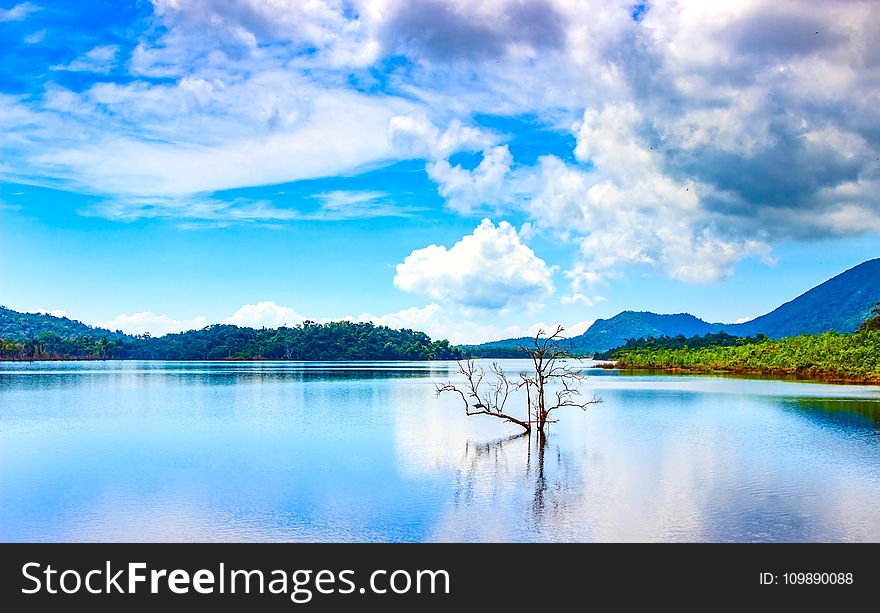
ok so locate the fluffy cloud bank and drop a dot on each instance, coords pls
(149, 322)
(488, 269)
(450, 322)
(264, 314)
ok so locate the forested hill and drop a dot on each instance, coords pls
(15, 325)
(840, 304)
(34, 336)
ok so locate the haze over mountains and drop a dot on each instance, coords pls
(840, 304)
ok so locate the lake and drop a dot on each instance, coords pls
(270, 451)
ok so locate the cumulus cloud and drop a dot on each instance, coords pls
(442, 30)
(53, 312)
(238, 28)
(450, 321)
(417, 136)
(458, 326)
(488, 269)
(148, 322)
(464, 189)
(416, 318)
(266, 314)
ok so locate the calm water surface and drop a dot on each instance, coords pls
(182, 451)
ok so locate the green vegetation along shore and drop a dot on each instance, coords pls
(831, 356)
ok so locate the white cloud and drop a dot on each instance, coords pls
(578, 298)
(417, 136)
(236, 28)
(99, 59)
(271, 128)
(461, 326)
(488, 269)
(149, 322)
(19, 12)
(702, 138)
(579, 328)
(465, 190)
(200, 212)
(266, 314)
(457, 324)
(415, 318)
(53, 312)
(35, 37)
(583, 280)
(357, 204)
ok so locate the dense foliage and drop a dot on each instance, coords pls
(341, 340)
(494, 352)
(873, 322)
(16, 325)
(719, 339)
(832, 354)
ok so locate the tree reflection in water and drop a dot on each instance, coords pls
(534, 478)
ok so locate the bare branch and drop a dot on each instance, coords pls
(552, 374)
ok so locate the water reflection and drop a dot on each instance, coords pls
(846, 413)
(521, 458)
(364, 452)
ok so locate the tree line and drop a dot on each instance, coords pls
(712, 339)
(834, 355)
(340, 340)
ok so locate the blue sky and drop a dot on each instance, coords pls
(474, 170)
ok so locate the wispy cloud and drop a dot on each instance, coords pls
(99, 59)
(199, 213)
(19, 12)
(36, 37)
(340, 204)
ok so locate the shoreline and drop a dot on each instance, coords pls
(818, 376)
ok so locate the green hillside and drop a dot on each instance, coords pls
(19, 326)
(839, 304)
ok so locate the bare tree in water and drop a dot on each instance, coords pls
(551, 384)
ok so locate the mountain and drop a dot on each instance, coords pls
(606, 334)
(841, 303)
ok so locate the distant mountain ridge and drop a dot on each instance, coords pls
(840, 304)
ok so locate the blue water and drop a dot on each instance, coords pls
(182, 451)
